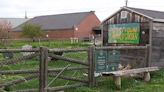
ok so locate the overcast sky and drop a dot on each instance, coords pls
(103, 8)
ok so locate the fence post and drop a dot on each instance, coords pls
(43, 69)
(91, 78)
(147, 55)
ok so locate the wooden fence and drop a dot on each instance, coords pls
(44, 72)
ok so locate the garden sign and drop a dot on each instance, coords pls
(124, 33)
(106, 60)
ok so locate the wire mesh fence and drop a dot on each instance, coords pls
(16, 66)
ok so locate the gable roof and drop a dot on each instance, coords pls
(14, 21)
(154, 15)
(60, 21)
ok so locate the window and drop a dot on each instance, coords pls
(124, 14)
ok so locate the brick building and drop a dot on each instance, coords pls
(64, 26)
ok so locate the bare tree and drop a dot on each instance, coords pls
(5, 28)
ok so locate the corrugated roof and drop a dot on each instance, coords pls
(151, 13)
(14, 21)
(60, 21)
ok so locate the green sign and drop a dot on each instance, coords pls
(113, 60)
(106, 61)
(100, 58)
(124, 33)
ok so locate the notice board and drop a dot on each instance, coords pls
(128, 33)
(106, 60)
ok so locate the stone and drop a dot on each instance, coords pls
(27, 47)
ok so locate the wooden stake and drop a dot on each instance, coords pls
(146, 76)
(43, 69)
(117, 81)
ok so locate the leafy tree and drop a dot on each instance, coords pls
(32, 31)
(5, 28)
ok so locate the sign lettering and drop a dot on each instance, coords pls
(124, 33)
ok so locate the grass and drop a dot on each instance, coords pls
(128, 85)
(105, 84)
(50, 44)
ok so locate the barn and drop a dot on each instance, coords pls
(64, 26)
(147, 27)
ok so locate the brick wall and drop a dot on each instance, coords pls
(52, 34)
(16, 35)
(85, 27)
(60, 34)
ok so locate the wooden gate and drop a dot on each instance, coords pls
(46, 74)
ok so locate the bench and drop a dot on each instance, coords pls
(117, 74)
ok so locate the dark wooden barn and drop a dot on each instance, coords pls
(150, 26)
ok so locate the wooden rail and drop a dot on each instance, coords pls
(18, 59)
(15, 72)
(69, 78)
(18, 50)
(68, 50)
(120, 47)
(18, 81)
(68, 59)
(117, 74)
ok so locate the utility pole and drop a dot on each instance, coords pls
(126, 3)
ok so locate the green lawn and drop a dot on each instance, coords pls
(48, 43)
(105, 84)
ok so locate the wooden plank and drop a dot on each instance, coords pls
(132, 71)
(147, 56)
(91, 68)
(18, 59)
(43, 69)
(18, 50)
(150, 43)
(69, 78)
(18, 81)
(15, 72)
(68, 69)
(27, 90)
(120, 47)
(69, 59)
(132, 57)
(68, 50)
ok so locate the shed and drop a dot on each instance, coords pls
(150, 26)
